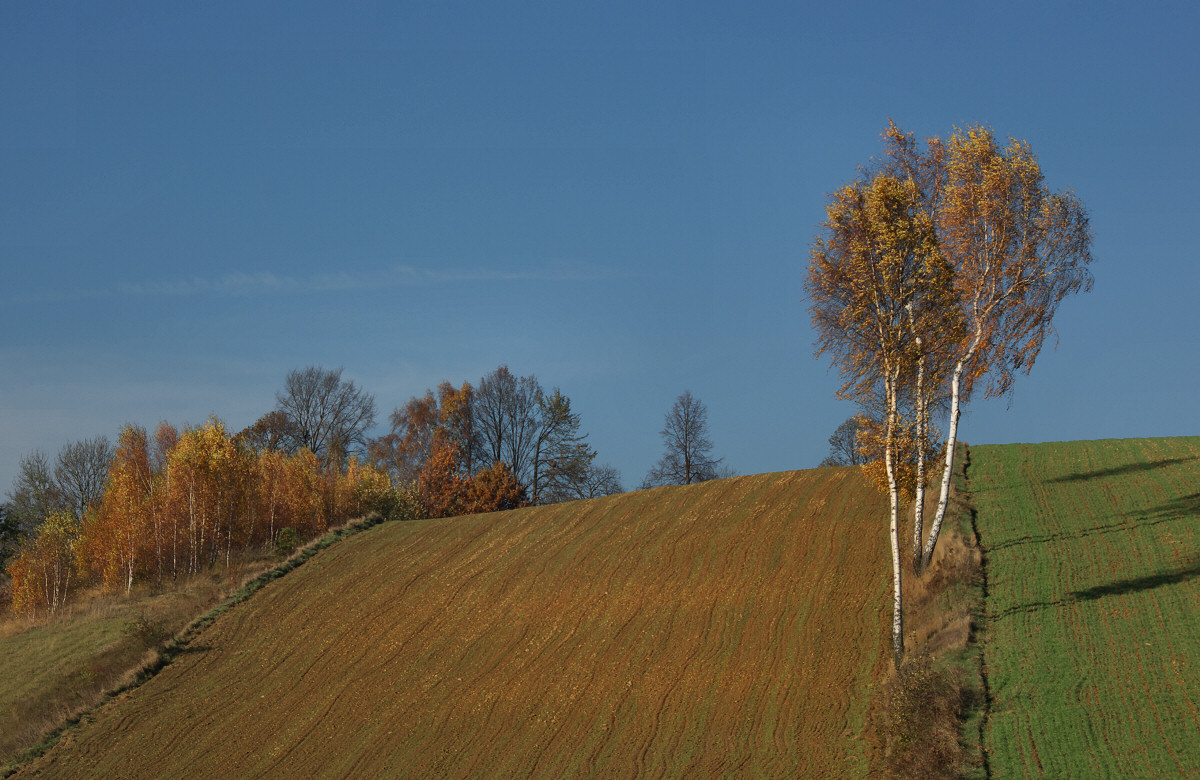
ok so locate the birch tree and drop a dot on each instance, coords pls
(42, 573)
(122, 528)
(1016, 250)
(934, 320)
(875, 263)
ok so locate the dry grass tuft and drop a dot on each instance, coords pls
(924, 700)
(919, 721)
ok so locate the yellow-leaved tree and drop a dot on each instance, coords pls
(43, 572)
(1016, 250)
(873, 267)
(940, 269)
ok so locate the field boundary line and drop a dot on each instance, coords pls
(982, 618)
(180, 644)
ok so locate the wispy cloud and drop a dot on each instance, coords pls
(267, 283)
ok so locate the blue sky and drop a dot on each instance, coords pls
(196, 198)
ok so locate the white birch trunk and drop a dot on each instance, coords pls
(948, 470)
(919, 503)
(894, 500)
(130, 567)
(951, 442)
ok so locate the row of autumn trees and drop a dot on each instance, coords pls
(507, 434)
(170, 503)
(178, 502)
(937, 272)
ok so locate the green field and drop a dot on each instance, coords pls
(52, 669)
(1091, 640)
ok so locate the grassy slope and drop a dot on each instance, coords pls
(731, 628)
(60, 667)
(1092, 642)
(50, 668)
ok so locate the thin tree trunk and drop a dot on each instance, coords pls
(919, 502)
(537, 471)
(894, 501)
(131, 565)
(951, 442)
(271, 517)
(193, 561)
(156, 519)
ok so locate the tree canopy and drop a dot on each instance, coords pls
(938, 269)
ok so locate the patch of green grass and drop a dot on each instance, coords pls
(1091, 641)
(49, 656)
(57, 669)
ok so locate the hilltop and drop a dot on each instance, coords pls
(731, 627)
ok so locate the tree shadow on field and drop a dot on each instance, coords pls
(1185, 506)
(171, 653)
(1117, 588)
(1131, 468)
(1182, 508)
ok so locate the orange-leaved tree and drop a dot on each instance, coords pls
(119, 536)
(874, 264)
(494, 489)
(439, 484)
(1016, 250)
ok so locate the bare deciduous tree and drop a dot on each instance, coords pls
(80, 472)
(34, 495)
(10, 534)
(273, 432)
(602, 480)
(328, 415)
(688, 456)
(507, 421)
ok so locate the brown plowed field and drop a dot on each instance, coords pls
(725, 629)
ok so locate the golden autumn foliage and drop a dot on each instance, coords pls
(43, 572)
(117, 528)
(871, 440)
(939, 268)
(1017, 250)
(177, 504)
